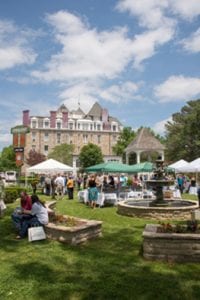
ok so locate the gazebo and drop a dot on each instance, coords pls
(145, 141)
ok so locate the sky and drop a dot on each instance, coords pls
(140, 59)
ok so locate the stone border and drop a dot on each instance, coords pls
(157, 213)
(176, 247)
(84, 231)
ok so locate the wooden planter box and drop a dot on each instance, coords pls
(177, 247)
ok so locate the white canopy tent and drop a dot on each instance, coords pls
(49, 166)
(178, 164)
(192, 167)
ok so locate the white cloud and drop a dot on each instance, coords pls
(159, 127)
(177, 88)
(155, 13)
(149, 12)
(90, 54)
(120, 93)
(145, 44)
(186, 9)
(14, 48)
(192, 43)
(86, 53)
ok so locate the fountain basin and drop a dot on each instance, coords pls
(176, 247)
(141, 208)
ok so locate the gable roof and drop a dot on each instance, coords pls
(95, 111)
(145, 141)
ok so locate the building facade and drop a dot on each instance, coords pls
(72, 127)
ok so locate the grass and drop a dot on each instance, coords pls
(111, 267)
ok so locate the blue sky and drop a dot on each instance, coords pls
(140, 59)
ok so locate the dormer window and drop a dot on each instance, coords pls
(46, 123)
(59, 124)
(34, 123)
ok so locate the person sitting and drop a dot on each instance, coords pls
(17, 216)
(39, 216)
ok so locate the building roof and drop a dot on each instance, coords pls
(145, 141)
(95, 111)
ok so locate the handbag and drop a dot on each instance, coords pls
(36, 233)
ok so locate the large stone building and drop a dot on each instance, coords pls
(72, 127)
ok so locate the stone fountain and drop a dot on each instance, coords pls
(158, 208)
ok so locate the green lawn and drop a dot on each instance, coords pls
(110, 267)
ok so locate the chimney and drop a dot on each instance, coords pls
(52, 119)
(64, 119)
(26, 119)
(104, 115)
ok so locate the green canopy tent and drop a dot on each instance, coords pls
(141, 167)
(112, 167)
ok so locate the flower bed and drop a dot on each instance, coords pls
(170, 246)
(71, 230)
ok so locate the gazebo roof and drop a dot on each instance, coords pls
(145, 141)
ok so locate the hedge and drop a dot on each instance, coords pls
(12, 193)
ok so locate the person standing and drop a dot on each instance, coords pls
(70, 188)
(93, 191)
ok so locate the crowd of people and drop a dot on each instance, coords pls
(32, 211)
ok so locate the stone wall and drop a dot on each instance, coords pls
(171, 247)
(156, 213)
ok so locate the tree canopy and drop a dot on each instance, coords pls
(90, 155)
(183, 133)
(7, 160)
(126, 136)
(62, 153)
(35, 158)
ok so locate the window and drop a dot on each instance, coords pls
(33, 136)
(46, 148)
(85, 138)
(91, 127)
(46, 124)
(71, 126)
(98, 139)
(58, 124)
(46, 136)
(85, 126)
(98, 127)
(58, 138)
(34, 123)
(79, 126)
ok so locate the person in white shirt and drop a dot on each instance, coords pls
(39, 217)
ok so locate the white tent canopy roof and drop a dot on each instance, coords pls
(192, 167)
(179, 164)
(50, 166)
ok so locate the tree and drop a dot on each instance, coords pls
(63, 153)
(90, 155)
(183, 133)
(35, 158)
(7, 161)
(126, 136)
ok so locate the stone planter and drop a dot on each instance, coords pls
(177, 247)
(82, 231)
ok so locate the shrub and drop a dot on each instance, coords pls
(12, 193)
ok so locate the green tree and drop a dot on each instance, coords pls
(35, 158)
(125, 138)
(7, 160)
(183, 133)
(62, 153)
(90, 155)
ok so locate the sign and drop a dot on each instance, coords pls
(19, 149)
(20, 129)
